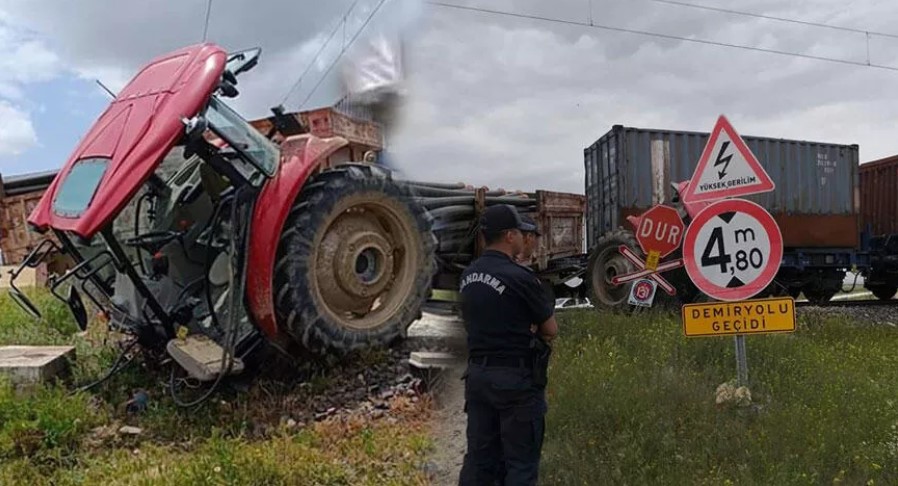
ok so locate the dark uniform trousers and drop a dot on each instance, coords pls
(506, 420)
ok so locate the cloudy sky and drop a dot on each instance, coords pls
(495, 100)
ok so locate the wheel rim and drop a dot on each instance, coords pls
(365, 261)
(609, 264)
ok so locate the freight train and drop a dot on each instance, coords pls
(835, 215)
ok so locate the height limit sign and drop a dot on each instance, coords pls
(732, 249)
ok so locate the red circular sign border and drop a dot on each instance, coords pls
(642, 281)
(639, 226)
(776, 249)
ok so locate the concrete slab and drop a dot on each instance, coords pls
(429, 360)
(35, 364)
(28, 277)
(201, 357)
(433, 326)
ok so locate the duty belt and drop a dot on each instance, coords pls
(502, 361)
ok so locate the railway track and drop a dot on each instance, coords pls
(850, 303)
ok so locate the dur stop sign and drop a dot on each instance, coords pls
(659, 232)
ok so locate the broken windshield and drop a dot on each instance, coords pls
(247, 140)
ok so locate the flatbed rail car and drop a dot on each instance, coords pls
(816, 203)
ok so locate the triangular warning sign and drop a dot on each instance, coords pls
(727, 168)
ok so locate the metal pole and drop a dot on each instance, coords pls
(741, 362)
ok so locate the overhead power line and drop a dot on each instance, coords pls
(320, 50)
(612, 28)
(779, 19)
(206, 25)
(354, 37)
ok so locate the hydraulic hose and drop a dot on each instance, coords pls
(230, 337)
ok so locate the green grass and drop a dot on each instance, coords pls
(632, 401)
(51, 436)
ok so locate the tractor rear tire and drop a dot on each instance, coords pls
(606, 262)
(355, 263)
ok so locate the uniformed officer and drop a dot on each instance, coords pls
(509, 320)
(530, 241)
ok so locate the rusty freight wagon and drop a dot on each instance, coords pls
(879, 219)
(456, 208)
(816, 204)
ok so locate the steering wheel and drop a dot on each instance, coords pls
(152, 241)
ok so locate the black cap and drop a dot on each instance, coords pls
(503, 217)
(528, 220)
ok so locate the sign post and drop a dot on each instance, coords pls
(741, 361)
(733, 248)
(732, 251)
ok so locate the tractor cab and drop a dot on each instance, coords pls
(154, 204)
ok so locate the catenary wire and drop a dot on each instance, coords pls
(663, 36)
(354, 37)
(320, 50)
(206, 24)
(771, 17)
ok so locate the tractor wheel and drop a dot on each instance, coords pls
(884, 292)
(355, 263)
(606, 262)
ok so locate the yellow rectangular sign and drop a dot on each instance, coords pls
(652, 259)
(759, 316)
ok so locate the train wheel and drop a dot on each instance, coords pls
(819, 295)
(884, 292)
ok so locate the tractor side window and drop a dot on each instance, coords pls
(79, 186)
(240, 133)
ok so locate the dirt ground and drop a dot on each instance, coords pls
(449, 428)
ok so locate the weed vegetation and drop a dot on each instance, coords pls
(49, 435)
(632, 401)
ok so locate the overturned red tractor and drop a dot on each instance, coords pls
(204, 239)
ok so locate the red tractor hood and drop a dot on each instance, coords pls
(129, 140)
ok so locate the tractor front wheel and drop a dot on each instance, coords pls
(355, 261)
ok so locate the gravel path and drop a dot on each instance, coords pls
(449, 429)
(449, 420)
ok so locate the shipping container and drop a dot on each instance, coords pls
(879, 196)
(816, 201)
